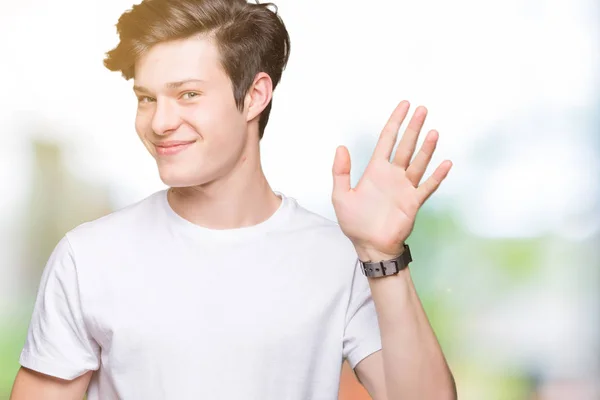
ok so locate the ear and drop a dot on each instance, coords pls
(259, 95)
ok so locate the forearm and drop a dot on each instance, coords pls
(414, 365)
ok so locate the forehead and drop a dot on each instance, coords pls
(192, 58)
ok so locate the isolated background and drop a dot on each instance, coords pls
(506, 252)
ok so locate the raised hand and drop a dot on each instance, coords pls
(379, 213)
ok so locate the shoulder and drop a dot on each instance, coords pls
(308, 219)
(320, 229)
(116, 227)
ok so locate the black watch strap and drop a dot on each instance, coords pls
(389, 267)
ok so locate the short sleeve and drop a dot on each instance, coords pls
(361, 335)
(57, 342)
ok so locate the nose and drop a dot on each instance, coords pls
(166, 117)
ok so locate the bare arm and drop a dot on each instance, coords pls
(370, 373)
(30, 384)
(411, 364)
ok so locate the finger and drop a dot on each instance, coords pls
(418, 166)
(341, 171)
(408, 142)
(387, 138)
(430, 185)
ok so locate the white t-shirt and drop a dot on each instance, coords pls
(161, 308)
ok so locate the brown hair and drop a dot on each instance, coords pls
(251, 38)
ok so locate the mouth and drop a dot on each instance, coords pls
(171, 148)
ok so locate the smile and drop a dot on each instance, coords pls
(171, 148)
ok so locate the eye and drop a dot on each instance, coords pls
(190, 95)
(145, 99)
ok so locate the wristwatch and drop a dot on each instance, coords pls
(386, 268)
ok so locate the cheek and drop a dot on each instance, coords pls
(140, 125)
(217, 123)
(143, 126)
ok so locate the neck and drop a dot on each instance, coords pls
(239, 199)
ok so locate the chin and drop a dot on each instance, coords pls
(178, 178)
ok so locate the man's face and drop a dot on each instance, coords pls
(187, 117)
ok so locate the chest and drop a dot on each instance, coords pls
(209, 306)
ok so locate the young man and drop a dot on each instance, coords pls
(221, 288)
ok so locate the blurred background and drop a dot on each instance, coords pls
(506, 252)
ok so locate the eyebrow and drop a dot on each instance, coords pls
(169, 85)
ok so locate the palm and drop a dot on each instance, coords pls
(379, 213)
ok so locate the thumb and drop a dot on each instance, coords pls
(341, 171)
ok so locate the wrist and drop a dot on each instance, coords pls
(372, 255)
